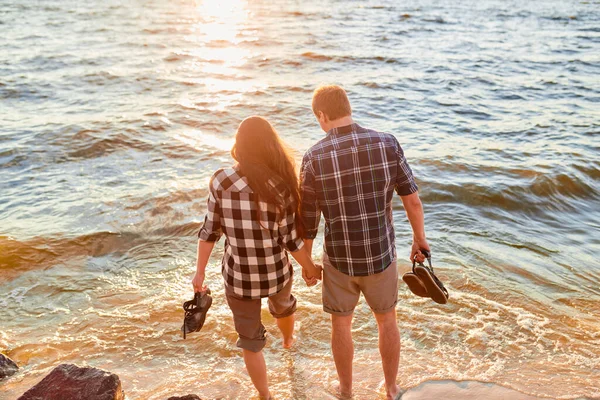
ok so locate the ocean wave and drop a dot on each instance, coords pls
(93, 144)
(562, 18)
(292, 63)
(515, 14)
(591, 171)
(219, 43)
(351, 59)
(184, 56)
(452, 166)
(590, 29)
(250, 42)
(169, 30)
(90, 144)
(549, 186)
(539, 193)
(377, 85)
(27, 92)
(100, 78)
(437, 20)
(475, 114)
(157, 205)
(175, 57)
(300, 89)
(306, 14)
(17, 257)
(46, 62)
(316, 56)
(512, 96)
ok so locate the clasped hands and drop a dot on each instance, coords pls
(312, 274)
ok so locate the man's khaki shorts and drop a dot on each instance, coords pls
(246, 315)
(341, 292)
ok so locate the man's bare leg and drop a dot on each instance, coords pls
(343, 351)
(286, 326)
(389, 348)
(257, 369)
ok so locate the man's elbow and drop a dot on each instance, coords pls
(411, 201)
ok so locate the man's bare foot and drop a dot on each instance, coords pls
(393, 394)
(288, 343)
(341, 395)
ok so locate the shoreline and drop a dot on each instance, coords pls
(69, 380)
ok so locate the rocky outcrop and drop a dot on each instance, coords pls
(7, 366)
(186, 397)
(68, 381)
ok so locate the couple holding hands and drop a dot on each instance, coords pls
(266, 212)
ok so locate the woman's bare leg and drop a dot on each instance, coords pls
(286, 326)
(257, 369)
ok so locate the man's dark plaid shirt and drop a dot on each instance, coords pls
(255, 262)
(350, 177)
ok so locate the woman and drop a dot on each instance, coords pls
(255, 204)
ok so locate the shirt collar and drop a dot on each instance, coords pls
(342, 130)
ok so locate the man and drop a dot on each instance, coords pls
(350, 177)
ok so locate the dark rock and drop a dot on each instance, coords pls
(7, 366)
(186, 397)
(68, 381)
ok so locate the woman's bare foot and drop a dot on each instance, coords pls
(286, 326)
(289, 342)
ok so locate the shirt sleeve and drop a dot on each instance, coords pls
(405, 181)
(311, 213)
(287, 227)
(211, 229)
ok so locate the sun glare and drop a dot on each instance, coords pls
(200, 140)
(218, 35)
(221, 20)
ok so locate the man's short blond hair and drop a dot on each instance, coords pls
(332, 100)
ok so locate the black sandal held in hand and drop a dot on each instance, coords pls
(195, 312)
(423, 282)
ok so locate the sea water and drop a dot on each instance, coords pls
(114, 115)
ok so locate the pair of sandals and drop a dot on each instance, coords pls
(195, 312)
(423, 282)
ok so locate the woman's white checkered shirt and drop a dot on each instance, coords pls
(255, 261)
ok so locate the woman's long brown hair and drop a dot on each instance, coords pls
(262, 155)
